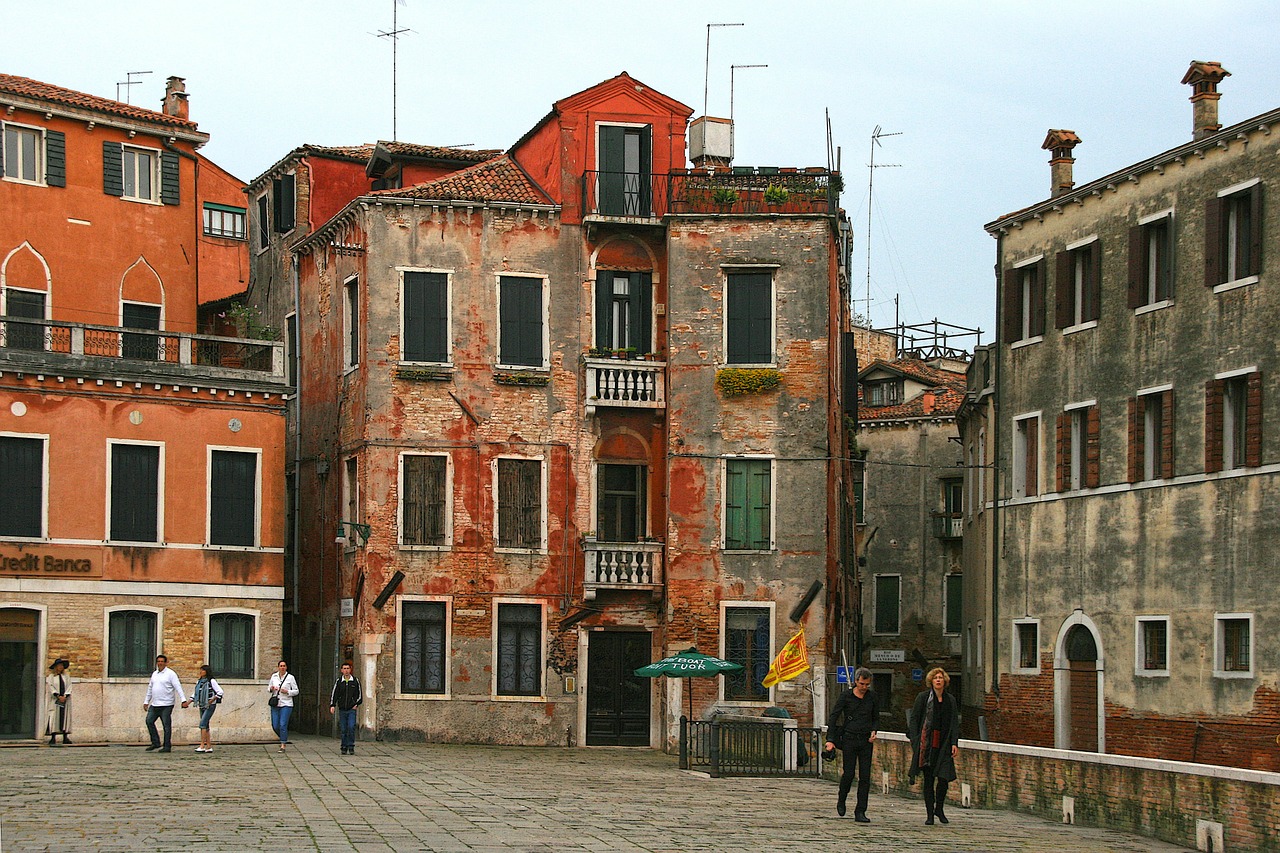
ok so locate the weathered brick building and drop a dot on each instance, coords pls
(141, 461)
(1135, 608)
(570, 409)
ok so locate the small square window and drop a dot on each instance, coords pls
(1233, 657)
(1152, 656)
(140, 173)
(1026, 650)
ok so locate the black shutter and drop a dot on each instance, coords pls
(1255, 231)
(22, 498)
(604, 309)
(644, 302)
(1064, 290)
(1012, 306)
(1037, 298)
(55, 158)
(612, 178)
(520, 319)
(1138, 265)
(414, 344)
(646, 182)
(749, 313)
(1213, 273)
(113, 168)
(135, 474)
(170, 178)
(231, 498)
(283, 196)
(1093, 294)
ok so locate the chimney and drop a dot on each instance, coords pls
(175, 98)
(1204, 78)
(930, 398)
(1060, 143)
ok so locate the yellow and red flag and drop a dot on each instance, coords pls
(790, 662)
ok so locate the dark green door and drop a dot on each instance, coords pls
(617, 698)
(22, 679)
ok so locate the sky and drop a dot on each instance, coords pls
(969, 88)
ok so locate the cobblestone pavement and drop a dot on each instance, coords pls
(456, 798)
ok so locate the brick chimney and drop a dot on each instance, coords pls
(175, 98)
(1059, 143)
(1204, 78)
(929, 400)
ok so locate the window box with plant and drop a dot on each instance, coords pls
(746, 381)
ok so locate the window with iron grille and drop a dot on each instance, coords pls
(422, 647)
(888, 591)
(748, 641)
(131, 643)
(233, 497)
(519, 650)
(423, 493)
(135, 492)
(749, 318)
(520, 503)
(231, 645)
(22, 498)
(1027, 638)
(1235, 643)
(1153, 646)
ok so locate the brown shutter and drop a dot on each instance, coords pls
(1092, 447)
(1012, 306)
(1062, 291)
(1213, 242)
(1037, 298)
(1255, 230)
(1166, 435)
(1032, 468)
(1093, 295)
(1253, 420)
(1137, 267)
(1213, 425)
(1136, 440)
(1063, 447)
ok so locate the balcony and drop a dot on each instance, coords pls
(948, 525)
(640, 198)
(622, 566)
(49, 346)
(625, 383)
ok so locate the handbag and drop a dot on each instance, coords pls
(274, 701)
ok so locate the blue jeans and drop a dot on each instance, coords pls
(280, 721)
(207, 713)
(347, 725)
(163, 713)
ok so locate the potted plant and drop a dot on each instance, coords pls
(629, 353)
(775, 195)
(725, 196)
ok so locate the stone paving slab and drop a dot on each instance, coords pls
(441, 797)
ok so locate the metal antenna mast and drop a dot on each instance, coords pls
(129, 81)
(394, 34)
(733, 133)
(876, 136)
(706, 71)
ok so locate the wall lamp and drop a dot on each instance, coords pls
(360, 532)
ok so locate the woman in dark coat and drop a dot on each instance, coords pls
(934, 729)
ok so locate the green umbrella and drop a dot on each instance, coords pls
(688, 664)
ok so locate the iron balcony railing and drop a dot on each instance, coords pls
(621, 565)
(627, 383)
(948, 525)
(630, 196)
(44, 344)
(742, 746)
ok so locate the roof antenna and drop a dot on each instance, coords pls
(129, 81)
(706, 72)
(394, 34)
(876, 136)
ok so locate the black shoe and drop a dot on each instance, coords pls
(861, 818)
(840, 808)
(928, 821)
(942, 818)
(351, 750)
(166, 749)
(53, 739)
(153, 747)
(65, 740)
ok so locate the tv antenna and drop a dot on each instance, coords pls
(394, 34)
(706, 71)
(876, 136)
(129, 81)
(732, 69)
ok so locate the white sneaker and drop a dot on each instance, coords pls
(200, 749)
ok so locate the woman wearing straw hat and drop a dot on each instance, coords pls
(58, 689)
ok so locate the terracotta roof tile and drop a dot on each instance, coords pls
(499, 180)
(441, 152)
(949, 391)
(28, 88)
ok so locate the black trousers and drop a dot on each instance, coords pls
(935, 793)
(857, 757)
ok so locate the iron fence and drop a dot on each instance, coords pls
(750, 748)
(738, 190)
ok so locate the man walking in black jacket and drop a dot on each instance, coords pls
(854, 721)
(346, 697)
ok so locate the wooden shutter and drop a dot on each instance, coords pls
(1138, 265)
(425, 317)
(232, 498)
(170, 178)
(1012, 307)
(759, 505)
(283, 199)
(1064, 290)
(612, 180)
(520, 318)
(1093, 293)
(1213, 393)
(604, 308)
(1213, 242)
(1253, 420)
(1137, 439)
(423, 500)
(55, 158)
(1037, 298)
(1031, 465)
(135, 474)
(642, 301)
(1166, 434)
(22, 498)
(646, 168)
(749, 314)
(1062, 453)
(1255, 230)
(1092, 447)
(735, 504)
(113, 168)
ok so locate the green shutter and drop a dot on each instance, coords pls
(759, 501)
(436, 317)
(520, 319)
(612, 179)
(113, 168)
(604, 308)
(170, 178)
(414, 343)
(22, 498)
(735, 504)
(749, 315)
(55, 158)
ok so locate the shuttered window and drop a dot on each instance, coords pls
(624, 183)
(426, 317)
(1151, 262)
(519, 650)
(135, 492)
(520, 503)
(1026, 457)
(283, 202)
(351, 321)
(29, 305)
(747, 633)
(520, 321)
(264, 223)
(1023, 301)
(954, 593)
(888, 603)
(134, 344)
(138, 171)
(22, 497)
(749, 318)
(620, 505)
(1233, 236)
(422, 647)
(1233, 422)
(1151, 436)
(233, 498)
(131, 643)
(231, 645)
(1078, 288)
(422, 499)
(748, 505)
(624, 310)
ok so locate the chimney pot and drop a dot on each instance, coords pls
(1060, 144)
(175, 98)
(1204, 77)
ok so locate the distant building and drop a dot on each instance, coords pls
(142, 462)
(1132, 514)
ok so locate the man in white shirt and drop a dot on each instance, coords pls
(163, 692)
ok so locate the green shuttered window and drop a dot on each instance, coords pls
(426, 317)
(520, 320)
(749, 317)
(748, 505)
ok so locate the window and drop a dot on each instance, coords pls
(624, 310)
(424, 499)
(859, 499)
(264, 223)
(139, 173)
(135, 492)
(1078, 292)
(882, 686)
(954, 604)
(1026, 456)
(952, 517)
(1078, 447)
(1026, 647)
(620, 503)
(748, 505)
(748, 641)
(1023, 299)
(423, 646)
(131, 643)
(29, 305)
(981, 473)
(137, 344)
(424, 331)
(1151, 261)
(888, 604)
(282, 202)
(521, 335)
(749, 318)
(22, 498)
(885, 393)
(1233, 236)
(1233, 640)
(519, 650)
(231, 644)
(1151, 435)
(351, 321)
(519, 507)
(351, 493)
(1152, 656)
(220, 220)
(291, 348)
(34, 155)
(624, 165)
(233, 504)
(1233, 421)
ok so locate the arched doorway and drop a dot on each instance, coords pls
(1082, 689)
(19, 661)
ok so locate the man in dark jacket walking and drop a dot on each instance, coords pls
(346, 697)
(854, 721)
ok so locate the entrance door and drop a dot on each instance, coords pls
(617, 698)
(18, 663)
(1082, 690)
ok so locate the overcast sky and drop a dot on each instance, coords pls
(972, 87)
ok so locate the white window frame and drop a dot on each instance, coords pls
(1152, 450)
(773, 502)
(542, 674)
(1019, 472)
(257, 638)
(41, 164)
(1219, 650)
(771, 607)
(129, 155)
(257, 498)
(546, 320)
(209, 208)
(160, 492)
(731, 269)
(1151, 271)
(106, 642)
(1140, 647)
(1233, 240)
(1024, 321)
(1015, 662)
(448, 319)
(543, 468)
(1078, 273)
(350, 499)
(350, 323)
(44, 486)
(1078, 458)
(875, 603)
(447, 601)
(448, 503)
(1235, 413)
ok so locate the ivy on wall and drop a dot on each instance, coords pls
(744, 381)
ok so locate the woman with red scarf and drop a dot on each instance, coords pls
(934, 729)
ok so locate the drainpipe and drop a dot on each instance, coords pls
(297, 424)
(997, 517)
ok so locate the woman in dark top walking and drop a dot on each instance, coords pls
(934, 729)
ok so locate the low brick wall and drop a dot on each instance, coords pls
(1201, 806)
